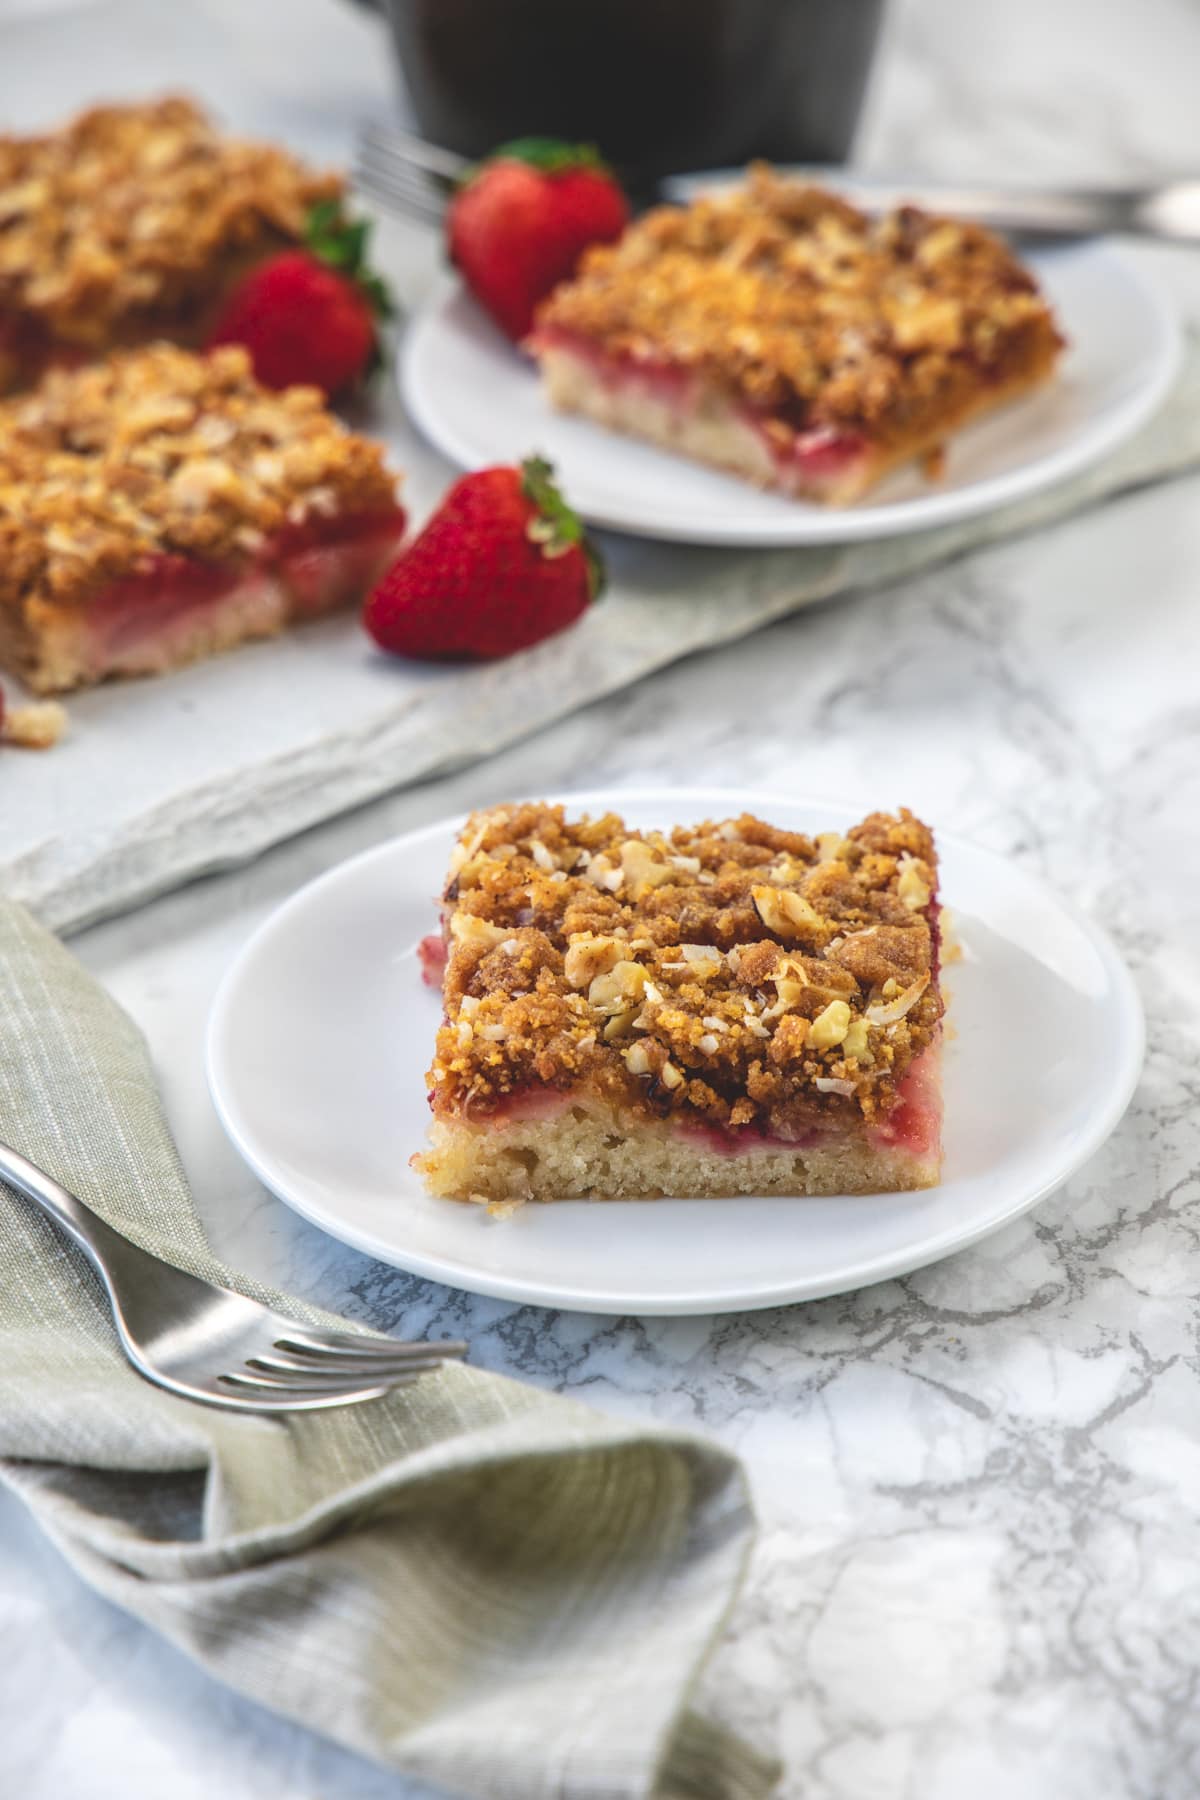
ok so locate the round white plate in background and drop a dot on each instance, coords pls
(322, 1031)
(478, 400)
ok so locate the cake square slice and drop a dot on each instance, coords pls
(776, 331)
(130, 224)
(160, 505)
(729, 1009)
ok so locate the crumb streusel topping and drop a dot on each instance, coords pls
(811, 311)
(130, 210)
(747, 976)
(161, 451)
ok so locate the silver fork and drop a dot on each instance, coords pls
(407, 175)
(207, 1343)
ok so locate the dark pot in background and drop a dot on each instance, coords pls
(659, 85)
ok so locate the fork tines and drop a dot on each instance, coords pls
(405, 174)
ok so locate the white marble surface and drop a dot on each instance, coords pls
(979, 1487)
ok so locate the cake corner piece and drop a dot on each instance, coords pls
(728, 1009)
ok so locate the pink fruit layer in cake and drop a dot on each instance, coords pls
(726, 1009)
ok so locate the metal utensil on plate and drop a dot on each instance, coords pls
(406, 175)
(206, 1343)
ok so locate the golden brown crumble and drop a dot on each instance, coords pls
(134, 212)
(748, 976)
(812, 312)
(162, 451)
(36, 726)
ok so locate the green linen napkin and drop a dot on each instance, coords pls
(487, 1587)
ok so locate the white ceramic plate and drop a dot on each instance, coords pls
(477, 399)
(322, 1030)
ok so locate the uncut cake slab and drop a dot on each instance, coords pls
(321, 1037)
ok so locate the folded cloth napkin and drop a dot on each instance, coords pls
(487, 1587)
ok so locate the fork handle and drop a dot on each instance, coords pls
(88, 1229)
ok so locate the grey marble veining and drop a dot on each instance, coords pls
(979, 1486)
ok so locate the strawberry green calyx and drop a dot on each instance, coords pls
(551, 156)
(341, 242)
(555, 528)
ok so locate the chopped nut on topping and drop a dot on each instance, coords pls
(643, 867)
(620, 1024)
(857, 1039)
(788, 914)
(702, 960)
(637, 1059)
(670, 1076)
(829, 1028)
(589, 956)
(603, 873)
(475, 933)
(613, 991)
(913, 884)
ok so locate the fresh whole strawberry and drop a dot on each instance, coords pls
(502, 564)
(521, 221)
(311, 316)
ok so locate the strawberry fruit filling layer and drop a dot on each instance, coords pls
(178, 607)
(653, 397)
(432, 952)
(913, 1127)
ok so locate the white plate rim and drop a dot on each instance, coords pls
(1131, 1034)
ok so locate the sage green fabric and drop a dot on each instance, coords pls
(487, 1587)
